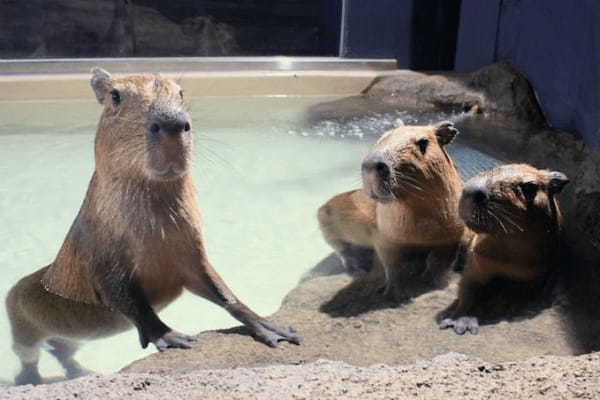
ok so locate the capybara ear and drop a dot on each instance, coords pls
(445, 132)
(556, 181)
(101, 83)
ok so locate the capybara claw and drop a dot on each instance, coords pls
(461, 325)
(175, 340)
(271, 334)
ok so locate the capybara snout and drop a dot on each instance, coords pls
(168, 119)
(377, 170)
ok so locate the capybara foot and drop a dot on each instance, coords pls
(271, 333)
(29, 375)
(173, 339)
(78, 372)
(461, 325)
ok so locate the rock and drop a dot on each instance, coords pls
(118, 28)
(499, 91)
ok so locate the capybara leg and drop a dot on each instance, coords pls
(27, 338)
(130, 299)
(459, 315)
(356, 259)
(438, 264)
(29, 356)
(347, 223)
(64, 350)
(383, 276)
(208, 284)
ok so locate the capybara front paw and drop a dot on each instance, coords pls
(461, 325)
(271, 333)
(173, 339)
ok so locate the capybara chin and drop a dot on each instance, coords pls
(405, 217)
(136, 242)
(516, 220)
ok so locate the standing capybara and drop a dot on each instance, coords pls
(136, 242)
(406, 212)
(516, 220)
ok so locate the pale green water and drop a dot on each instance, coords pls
(261, 175)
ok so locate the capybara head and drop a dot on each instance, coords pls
(512, 199)
(145, 129)
(409, 161)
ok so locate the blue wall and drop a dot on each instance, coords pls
(376, 29)
(555, 43)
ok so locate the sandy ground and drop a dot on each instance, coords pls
(447, 376)
(337, 322)
(355, 350)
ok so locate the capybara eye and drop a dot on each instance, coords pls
(181, 94)
(423, 143)
(116, 97)
(529, 190)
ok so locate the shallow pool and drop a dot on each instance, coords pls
(261, 174)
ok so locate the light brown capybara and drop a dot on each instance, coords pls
(136, 242)
(405, 218)
(515, 220)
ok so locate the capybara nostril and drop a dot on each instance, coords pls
(154, 128)
(170, 127)
(174, 127)
(477, 194)
(382, 170)
(377, 164)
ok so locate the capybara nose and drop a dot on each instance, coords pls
(378, 165)
(477, 194)
(170, 127)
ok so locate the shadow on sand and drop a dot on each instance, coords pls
(503, 299)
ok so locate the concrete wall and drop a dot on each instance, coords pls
(556, 43)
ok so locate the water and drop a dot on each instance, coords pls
(261, 175)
